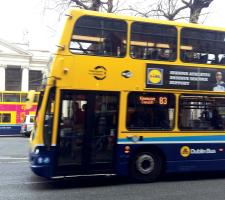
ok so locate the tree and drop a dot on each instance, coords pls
(173, 9)
(97, 5)
(196, 7)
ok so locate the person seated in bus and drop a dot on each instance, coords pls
(137, 52)
(113, 45)
(216, 120)
(205, 116)
(188, 56)
(216, 59)
(140, 118)
(164, 54)
(222, 61)
(204, 58)
(77, 120)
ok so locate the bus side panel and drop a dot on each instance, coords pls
(182, 157)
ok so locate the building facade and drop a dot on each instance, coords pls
(22, 69)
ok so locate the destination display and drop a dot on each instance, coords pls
(188, 78)
(151, 100)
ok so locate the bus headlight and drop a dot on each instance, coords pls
(46, 160)
(40, 160)
(36, 151)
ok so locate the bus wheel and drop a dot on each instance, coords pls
(146, 167)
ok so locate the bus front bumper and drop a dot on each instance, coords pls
(41, 162)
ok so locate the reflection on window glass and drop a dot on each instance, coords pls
(153, 41)
(99, 36)
(5, 117)
(150, 111)
(209, 49)
(202, 112)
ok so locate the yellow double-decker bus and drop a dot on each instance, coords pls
(132, 96)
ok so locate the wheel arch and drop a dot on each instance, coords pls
(150, 148)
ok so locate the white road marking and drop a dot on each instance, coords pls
(12, 158)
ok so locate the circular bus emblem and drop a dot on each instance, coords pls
(155, 76)
(98, 73)
(185, 151)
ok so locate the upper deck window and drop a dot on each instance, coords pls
(153, 41)
(99, 36)
(202, 46)
(11, 97)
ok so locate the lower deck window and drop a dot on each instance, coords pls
(202, 112)
(5, 117)
(150, 111)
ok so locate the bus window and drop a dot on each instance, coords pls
(209, 49)
(23, 97)
(48, 120)
(202, 112)
(5, 117)
(11, 97)
(99, 36)
(72, 126)
(147, 111)
(153, 41)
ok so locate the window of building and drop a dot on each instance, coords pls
(202, 46)
(153, 41)
(35, 78)
(202, 112)
(150, 111)
(13, 78)
(99, 36)
(5, 117)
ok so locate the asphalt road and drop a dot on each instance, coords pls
(18, 182)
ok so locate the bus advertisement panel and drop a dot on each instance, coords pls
(187, 78)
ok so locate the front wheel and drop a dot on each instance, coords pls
(146, 167)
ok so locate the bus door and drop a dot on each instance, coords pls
(87, 132)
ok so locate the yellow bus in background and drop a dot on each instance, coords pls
(132, 97)
(13, 111)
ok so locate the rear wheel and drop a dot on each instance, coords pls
(146, 167)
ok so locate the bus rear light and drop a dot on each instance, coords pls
(127, 149)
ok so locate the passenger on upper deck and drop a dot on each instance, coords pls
(113, 45)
